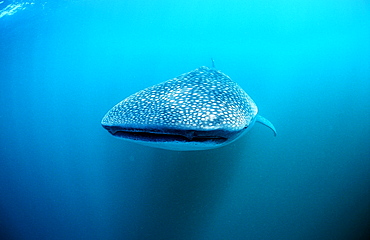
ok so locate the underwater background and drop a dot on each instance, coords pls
(64, 64)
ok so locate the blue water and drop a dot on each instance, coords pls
(64, 64)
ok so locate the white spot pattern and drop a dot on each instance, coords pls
(202, 99)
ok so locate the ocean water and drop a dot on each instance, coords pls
(64, 64)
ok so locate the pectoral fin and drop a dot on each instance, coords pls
(266, 122)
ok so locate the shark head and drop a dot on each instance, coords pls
(198, 110)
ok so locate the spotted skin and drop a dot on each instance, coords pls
(198, 110)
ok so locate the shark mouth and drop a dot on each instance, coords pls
(172, 134)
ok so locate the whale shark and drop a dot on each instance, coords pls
(198, 110)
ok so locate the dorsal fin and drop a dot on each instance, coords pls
(213, 63)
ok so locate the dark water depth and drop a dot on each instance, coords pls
(64, 64)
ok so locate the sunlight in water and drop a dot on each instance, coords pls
(13, 8)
